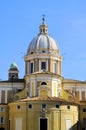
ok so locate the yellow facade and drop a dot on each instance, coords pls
(56, 116)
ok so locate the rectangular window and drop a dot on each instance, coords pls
(18, 106)
(57, 105)
(84, 109)
(31, 67)
(43, 105)
(68, 107)
(30, 106)
(84, 121)
(43, 124)
(1, 120)
(43, 65)
(83, 95)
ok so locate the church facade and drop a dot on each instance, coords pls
(43, 99)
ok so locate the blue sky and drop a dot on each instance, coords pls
(19, 24)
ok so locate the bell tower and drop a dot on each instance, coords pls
(13, 71)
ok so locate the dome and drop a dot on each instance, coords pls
(13, 66)
(42, 41)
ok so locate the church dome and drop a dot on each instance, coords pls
(42, 41)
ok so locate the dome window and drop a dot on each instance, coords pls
(43, 65)
(43, 30)
(31, 67)
(43, 83)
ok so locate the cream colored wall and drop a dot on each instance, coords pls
(77, 88)
(6, 90)
(52, 88)
(49, 58)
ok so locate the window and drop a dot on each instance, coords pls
(43, 124)
(2, 109)
(68, 107)
(2, 128)
(1, 120)
(84, 121)
(57, 105)
(18, 106)
(31, 67)
(83, 128)
(43, 51)
(43, 65)
(43, 105)
(43, 83)
(30, 106)
(32, 52)
(84, 109)
(13, 76)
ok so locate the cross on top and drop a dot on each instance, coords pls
(43, 19)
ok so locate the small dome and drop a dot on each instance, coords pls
(13, 66)
(42, 41)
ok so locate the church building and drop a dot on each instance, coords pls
(43, 99)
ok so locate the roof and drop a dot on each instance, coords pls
(42, 41)
(14, 80)
(45, 72)
(50, 99)
(13, 67)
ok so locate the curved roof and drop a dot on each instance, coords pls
(13, 66)
(43, 40)
(47, 98)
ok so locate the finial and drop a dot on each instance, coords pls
(43, 19)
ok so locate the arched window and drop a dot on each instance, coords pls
(43, 83)
(13, 76)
